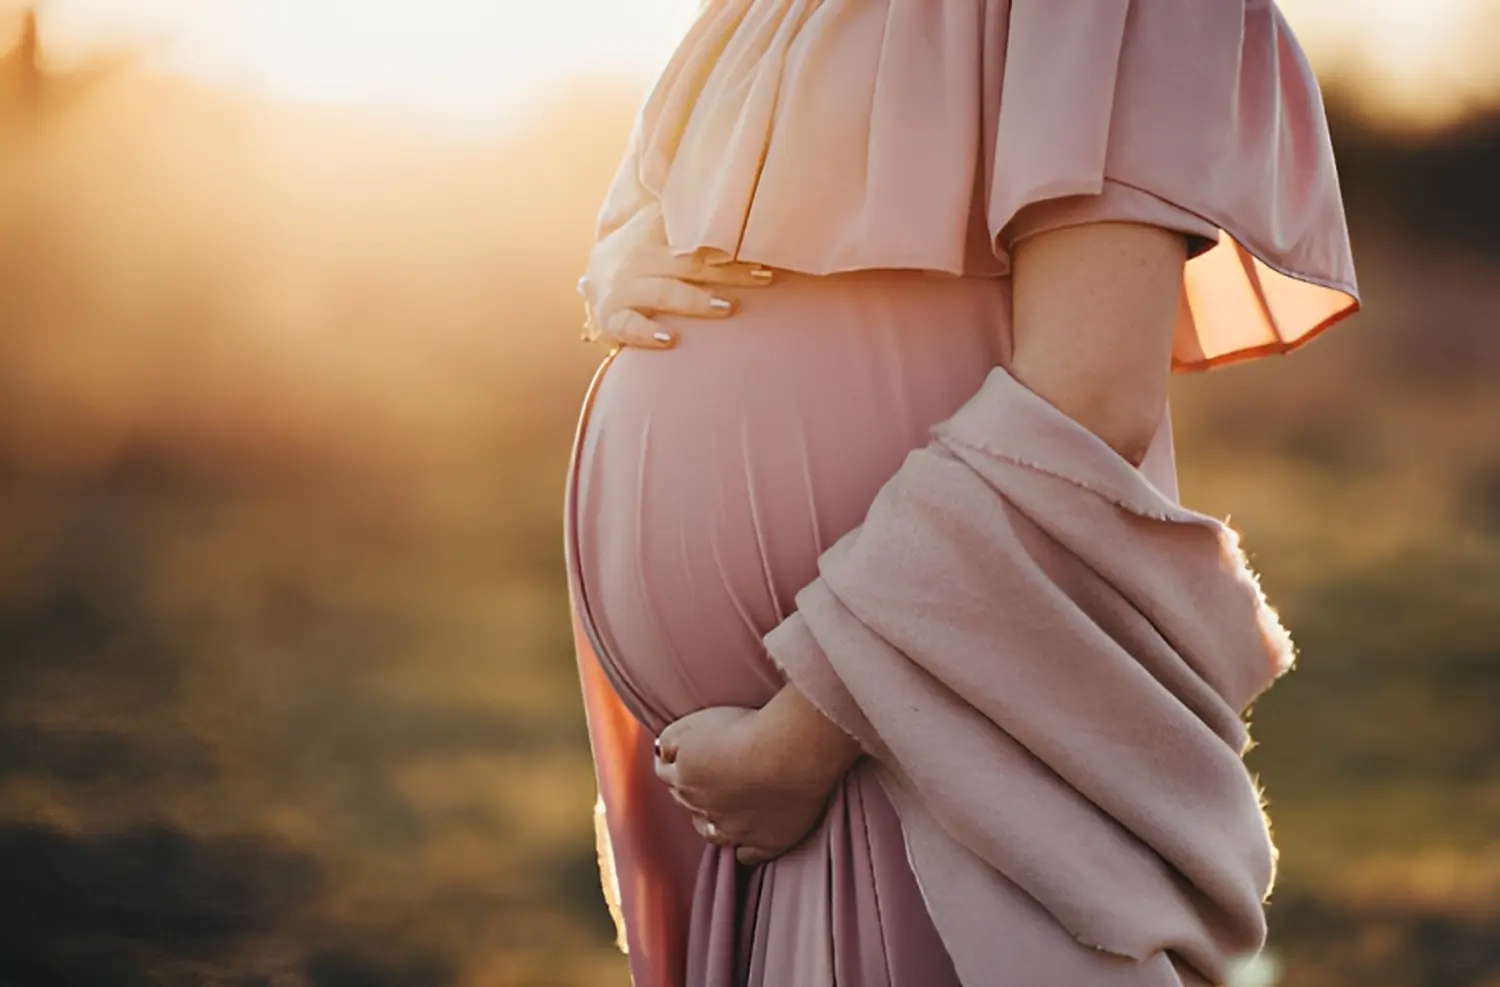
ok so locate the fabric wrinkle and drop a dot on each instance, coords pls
(757, 525)
(800, 434)
(649, 609)
(881, 925)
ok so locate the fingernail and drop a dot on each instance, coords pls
(720, 304)
(762, 274)
(662, 337)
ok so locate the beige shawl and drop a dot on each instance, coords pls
(1050, 660)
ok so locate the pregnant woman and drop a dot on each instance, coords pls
(860, 253)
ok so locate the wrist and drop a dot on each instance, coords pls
(802, 745)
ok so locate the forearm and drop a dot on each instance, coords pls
(812, 744)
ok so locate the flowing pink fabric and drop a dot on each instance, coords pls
(837, 135)
(1044, 655)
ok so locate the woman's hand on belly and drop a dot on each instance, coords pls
(633, 275)
(762, 778)
(735, 781)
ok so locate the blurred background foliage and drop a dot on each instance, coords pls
(287, 693)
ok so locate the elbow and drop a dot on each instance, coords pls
(1127, 422)
(1123, 406)
(1134, 450)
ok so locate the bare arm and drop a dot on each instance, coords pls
(1094, 310)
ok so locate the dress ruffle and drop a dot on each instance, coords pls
(824, 136)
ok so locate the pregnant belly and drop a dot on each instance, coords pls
(711, 476)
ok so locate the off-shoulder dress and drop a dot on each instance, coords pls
(885, 157)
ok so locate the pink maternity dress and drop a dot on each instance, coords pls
(884, 156)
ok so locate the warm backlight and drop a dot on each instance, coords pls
(467, 60)
(480, 61)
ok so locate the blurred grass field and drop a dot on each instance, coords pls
(288, 689)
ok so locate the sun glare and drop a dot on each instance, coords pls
(477, 61)
(483, 61)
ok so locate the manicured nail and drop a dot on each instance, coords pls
(762, 274)
(720, 304)
(662, 337)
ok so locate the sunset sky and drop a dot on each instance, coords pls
(478, 62)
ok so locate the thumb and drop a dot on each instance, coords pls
(666, 772)
(667, 743)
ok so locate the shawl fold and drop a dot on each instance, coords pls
(834, 135)
(1050, 660)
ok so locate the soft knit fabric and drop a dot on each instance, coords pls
(1049, 659)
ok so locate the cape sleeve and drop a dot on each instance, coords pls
(833, 135)
(1115, 203)
(1209, 106)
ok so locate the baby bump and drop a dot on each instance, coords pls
(711, 476)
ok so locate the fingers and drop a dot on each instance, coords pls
(664, 263)
(630, 328)
(736, 274)
(668, 741)
(667, 771)
(619, 308)
(672, 295)
(710, 832)
(628, 322)
(682, 799)
(753, 855)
